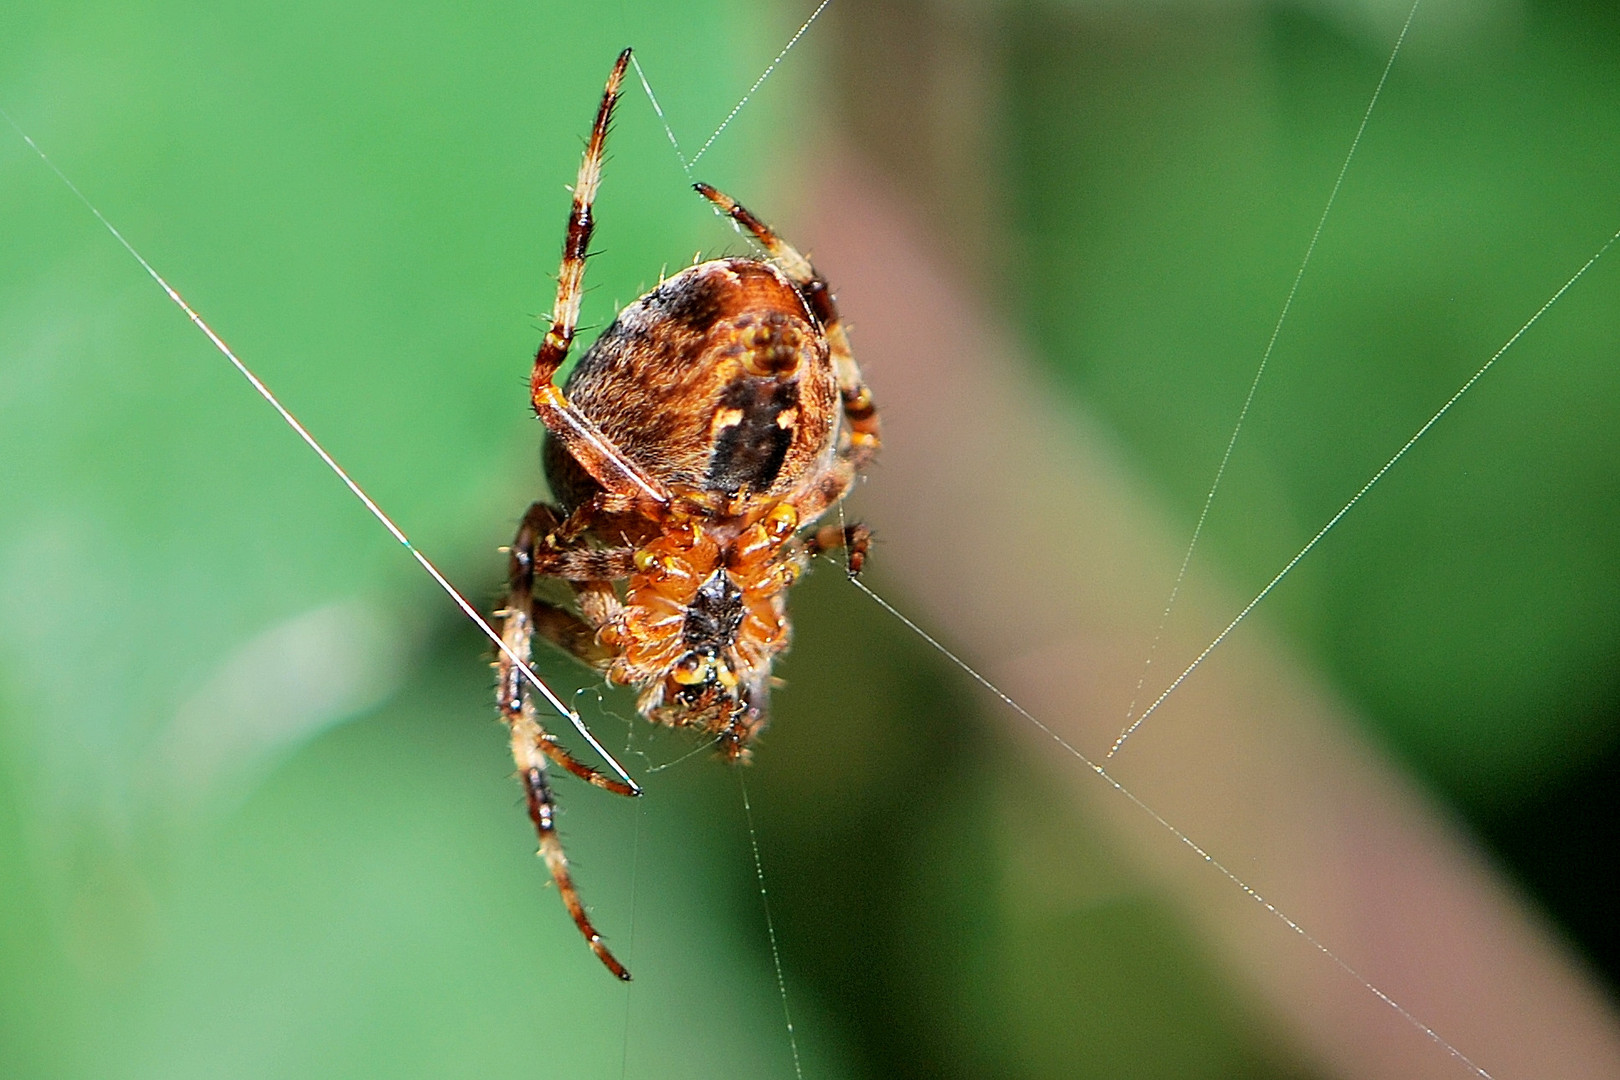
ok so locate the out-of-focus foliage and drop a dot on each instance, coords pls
(1172, 173)
(202, 874)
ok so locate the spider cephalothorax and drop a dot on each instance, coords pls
(694, 444)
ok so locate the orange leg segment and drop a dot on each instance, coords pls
(865, 434)
(576, 431)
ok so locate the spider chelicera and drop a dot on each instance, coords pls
(692, 448)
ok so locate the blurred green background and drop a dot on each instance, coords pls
(255, 816)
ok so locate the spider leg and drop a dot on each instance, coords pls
(586, 564)
(519, 713)
(854, 539)
(740, 727)
(577, 432)
(570, 633)
(531, 744)
(522, 616)
(591, 572)
(865, 434)
(543, 812)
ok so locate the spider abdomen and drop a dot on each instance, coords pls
(719, 379)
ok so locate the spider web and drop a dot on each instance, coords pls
(876, 512)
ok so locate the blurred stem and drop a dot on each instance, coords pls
(1015, 527)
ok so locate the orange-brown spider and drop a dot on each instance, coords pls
(706, 429)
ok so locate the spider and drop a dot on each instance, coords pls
(691, 450)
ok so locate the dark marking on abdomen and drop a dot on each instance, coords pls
(749, 453)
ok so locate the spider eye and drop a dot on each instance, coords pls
(772, 347)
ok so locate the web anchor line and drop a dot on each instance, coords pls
(1374, 479)
(1243, 414)
(770, 925)
(669, 132)
(658, 110)
(769, 68)
(630, 944)
(1186, 841)
(303, 433)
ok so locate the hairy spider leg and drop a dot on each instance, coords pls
(543, 812)
(538, 551)
(853, 539)
(864, 436)
(558, 555)
(524, 615)
(578, 433)
(532, 744)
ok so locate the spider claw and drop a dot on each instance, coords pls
(608, 959)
